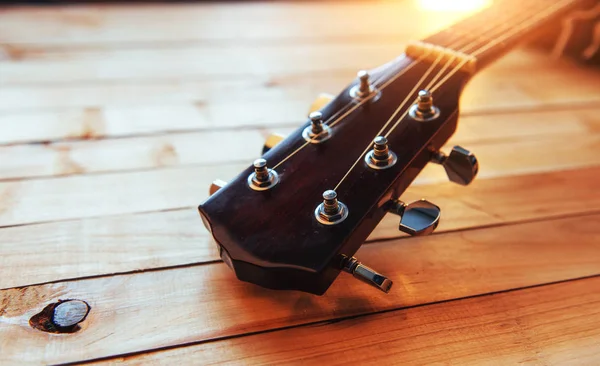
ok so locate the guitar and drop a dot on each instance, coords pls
(295, 218)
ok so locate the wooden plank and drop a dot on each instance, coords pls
(556, 324)
(41, 113)
(197, 63)
(20, 99)
(149, 310)
(185, 23)
(210, 63)
(509, 88)
(83, 196)
(81, 157)
(173, 238)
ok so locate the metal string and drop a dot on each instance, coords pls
(482, 49)
(368, 98)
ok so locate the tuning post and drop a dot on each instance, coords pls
(461, 165)
(262, 178)
(364, 88)
(424, 110)
(417, 218)
(317, 132)
(366, 274)
(331, 211)
(380, 157)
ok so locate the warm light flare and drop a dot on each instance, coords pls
(454, 5)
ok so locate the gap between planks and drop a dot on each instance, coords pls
(476, 325)
(35, 161)
(525, 69)
(580, 215)
(174, 238)
(132, 110)
(207, 302)
(222, 65)
(82, 196)
(576, 107)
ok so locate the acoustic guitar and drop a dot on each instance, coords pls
(294, 219)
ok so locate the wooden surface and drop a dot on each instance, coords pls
(109, 118)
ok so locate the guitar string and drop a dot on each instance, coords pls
(458, 38)
(356, 105)
(522, 26)
(380, 88)
(454, 71)
(433, 88)
(403, 104)
(406, 69)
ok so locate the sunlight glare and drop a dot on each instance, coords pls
(454, 5)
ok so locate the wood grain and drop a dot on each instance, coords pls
(136, 312)
(556, 324)
(245, 22)
(87, 196)
(195, 63)
(523, 80)
(517, 77)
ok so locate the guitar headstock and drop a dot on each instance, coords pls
(294, 219)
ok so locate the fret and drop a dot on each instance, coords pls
(480, 26)
(495, 30)
(489, 52)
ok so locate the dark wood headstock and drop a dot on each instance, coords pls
(272, 237)
(269, 225)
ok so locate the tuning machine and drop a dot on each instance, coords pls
(366, 274)
(215, 186)
(461, 165)
(273, 139)
(322, 100)
(417, 218)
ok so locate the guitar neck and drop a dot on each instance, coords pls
(489, 34)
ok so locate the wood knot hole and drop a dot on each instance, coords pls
(63, 316)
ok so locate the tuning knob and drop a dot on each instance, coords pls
(216, 185)
(461, 165)
(417, 218)
(366, 274)
(322, 100)
(272, 140)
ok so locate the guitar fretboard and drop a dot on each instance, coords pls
(490, 33)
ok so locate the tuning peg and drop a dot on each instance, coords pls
(417, 218)
(272, 140)
(461, 165)
(366, 274)
(216, 185)
(322, 100)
